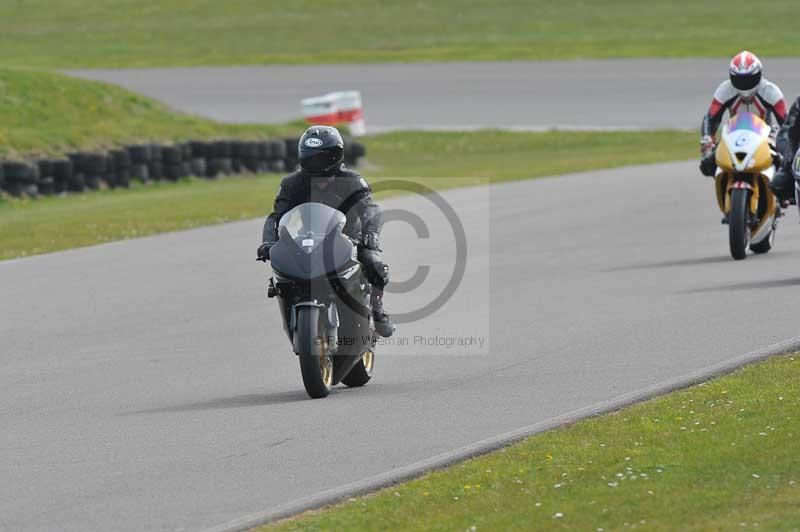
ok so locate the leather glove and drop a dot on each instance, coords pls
(708, 165)
(778, 160)
(262, 253)
(377, 274)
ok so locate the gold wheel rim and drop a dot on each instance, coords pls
(326, 369)
(325, 365)
(367, 359)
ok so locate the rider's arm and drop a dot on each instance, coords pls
(772, 96)
(371, 221)
(285, 200)
(780, 111)
(723, 98)
(369, 213)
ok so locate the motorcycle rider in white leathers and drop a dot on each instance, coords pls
(745, 90)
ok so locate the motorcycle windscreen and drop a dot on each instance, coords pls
(310, 242)
(748, 122)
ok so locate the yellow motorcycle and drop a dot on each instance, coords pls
(745, 166)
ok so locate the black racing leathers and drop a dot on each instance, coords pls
(788, 140)
(347, 192)
(787, 143)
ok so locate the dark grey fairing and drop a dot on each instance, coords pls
(311, 244)
(332, 254)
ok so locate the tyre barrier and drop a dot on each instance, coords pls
(80, 171)
(20, 179)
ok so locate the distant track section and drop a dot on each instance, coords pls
(596, 94)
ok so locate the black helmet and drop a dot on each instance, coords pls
(321, 151)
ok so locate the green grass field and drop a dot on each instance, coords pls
(719, 456)
(438, 160)
(128, 33)
(42, 112)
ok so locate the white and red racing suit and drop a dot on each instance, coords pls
(767, 102)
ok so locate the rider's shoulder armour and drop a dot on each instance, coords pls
(350, 181)
(769, 92)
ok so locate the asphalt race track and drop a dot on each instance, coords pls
(147, 385)
(627, 94)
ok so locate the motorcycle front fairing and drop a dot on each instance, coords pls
(311, 243)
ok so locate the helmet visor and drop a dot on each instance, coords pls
(745, 82)
(319, 162)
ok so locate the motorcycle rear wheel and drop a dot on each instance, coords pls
(765, 245)
(738, 230)
(361, 372)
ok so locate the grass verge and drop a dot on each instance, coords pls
(134, 33)
(439, 160)
(44, 112)
(719, 456)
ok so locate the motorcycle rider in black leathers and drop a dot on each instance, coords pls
(322, 178)
(787, 143)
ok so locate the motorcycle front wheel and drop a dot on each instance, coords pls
(316, 365)
(738, 229)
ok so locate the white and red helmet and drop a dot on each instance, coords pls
(745, 73)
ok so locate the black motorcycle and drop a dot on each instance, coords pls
(324, 298)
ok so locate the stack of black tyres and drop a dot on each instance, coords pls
(172, 157)
(237, 156)
(47, 182)
(290, 161)
(153, 162)
(250, 160)
(262, 155)
(219, 161)
(278, 155)
(20, 178)
(186, 158)
(224, 154)
(246, 158)
(120, 162)
(66, 179)
(140, 157)
(199, 151)
(93, 167)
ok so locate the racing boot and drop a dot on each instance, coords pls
(783, 186)
(383, 324)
